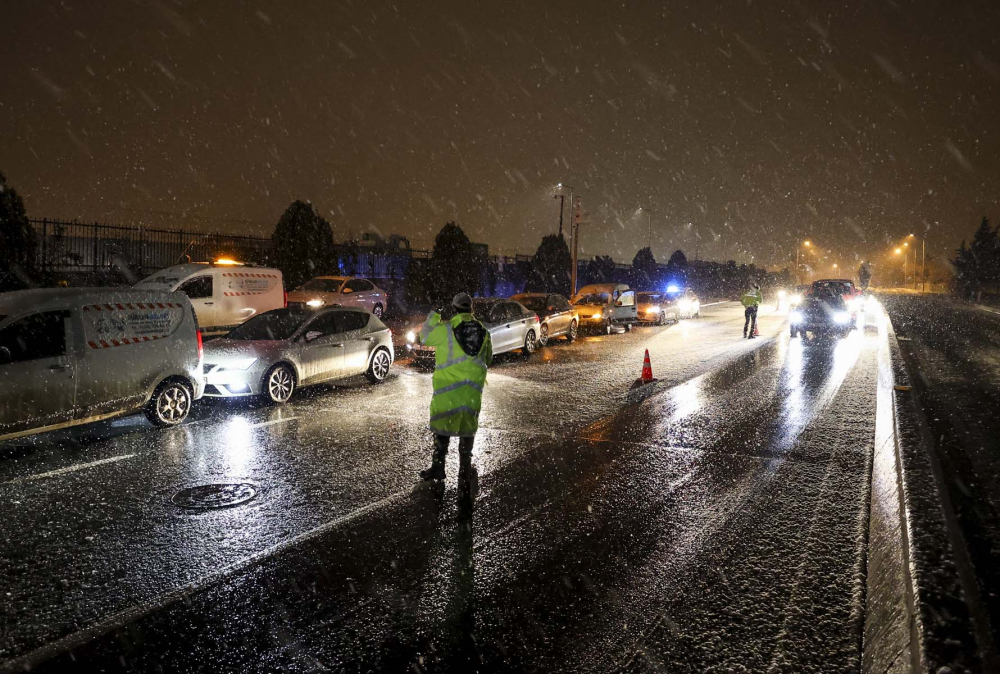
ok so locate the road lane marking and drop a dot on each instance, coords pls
(272, 423)
(133, 613)
(70, 469)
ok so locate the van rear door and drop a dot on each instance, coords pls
(38, 367)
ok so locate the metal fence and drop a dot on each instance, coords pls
(91, 247)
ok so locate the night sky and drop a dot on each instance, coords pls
(744, 126)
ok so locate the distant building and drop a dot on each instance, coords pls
(376, 241)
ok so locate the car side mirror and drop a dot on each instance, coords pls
(313, 334)
(346, 290)
(5, 357)
(551, 307)
(618, 303)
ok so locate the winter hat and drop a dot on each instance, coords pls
(462, 302)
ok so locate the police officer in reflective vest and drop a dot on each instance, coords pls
(463, 351)
(751, 300)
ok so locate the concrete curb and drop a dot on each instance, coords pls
(916, 617)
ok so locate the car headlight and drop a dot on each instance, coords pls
(315, 303)
(842, 317)
(599, 314)
(796, 299)
(411, 337)
(684, 305)
(795, 317)
(653, 310)
(238, 364)
(782, 294)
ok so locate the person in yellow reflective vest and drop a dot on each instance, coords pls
(751, 300)
(463, 352)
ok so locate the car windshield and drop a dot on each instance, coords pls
(273, 325)
(648, 298)
(159, 282)
(482, 310)
(534, 303)
(594, 298)
(322, 285)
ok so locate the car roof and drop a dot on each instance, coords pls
(19, 301)
(515, 297)
(333, 278)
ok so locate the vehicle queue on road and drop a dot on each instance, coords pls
(71, 356)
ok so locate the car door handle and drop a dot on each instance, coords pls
(208, 304)
(57, 367)
(369, 339)
(336, 346)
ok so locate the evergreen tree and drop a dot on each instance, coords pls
(18, 242)
(302, 245)
(601, 270)
(454, 266)
(977, 267)
(644, 270)
(550, 267)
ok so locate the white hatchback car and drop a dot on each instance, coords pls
(345, 291)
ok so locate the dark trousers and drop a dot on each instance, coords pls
(441, 443)
(751, 320)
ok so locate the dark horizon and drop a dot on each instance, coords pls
(744, 130)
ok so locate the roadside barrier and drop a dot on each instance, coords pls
(916, 616)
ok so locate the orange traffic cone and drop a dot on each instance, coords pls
(756, 330)
(647, 373)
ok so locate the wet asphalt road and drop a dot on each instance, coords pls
(717, 520)
(953, 349)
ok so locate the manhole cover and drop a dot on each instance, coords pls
(207, 496)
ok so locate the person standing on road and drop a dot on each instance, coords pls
(463, 352)
(751, 299)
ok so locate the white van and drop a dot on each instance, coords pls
(223, 294)
(70, 356)
(603, 305)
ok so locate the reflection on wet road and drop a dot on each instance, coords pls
(713, 523)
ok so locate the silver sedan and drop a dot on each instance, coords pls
(280, 350)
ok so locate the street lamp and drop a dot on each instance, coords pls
(923, 262)
(649, 227)
(899, 251)
(798, 249)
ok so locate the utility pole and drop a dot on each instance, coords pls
(923, 264)
(577, 221)
(562, 202)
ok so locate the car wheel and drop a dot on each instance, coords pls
(543, 336)
(607, 329)
(279, 383)
(377, 311)
(530, 343)
(170, 404)
(628, 327)
(571, 335)
(378, 369)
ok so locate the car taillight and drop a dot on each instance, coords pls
(201, 346)
(284, 292)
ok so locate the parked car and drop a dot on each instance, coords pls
(823, 313)
(663, 307)
(655, 307)
(557, 316)
(284, 349)
(223, 293)
(604, 305)
(511, 325)
(344, 291)
(72, 356)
